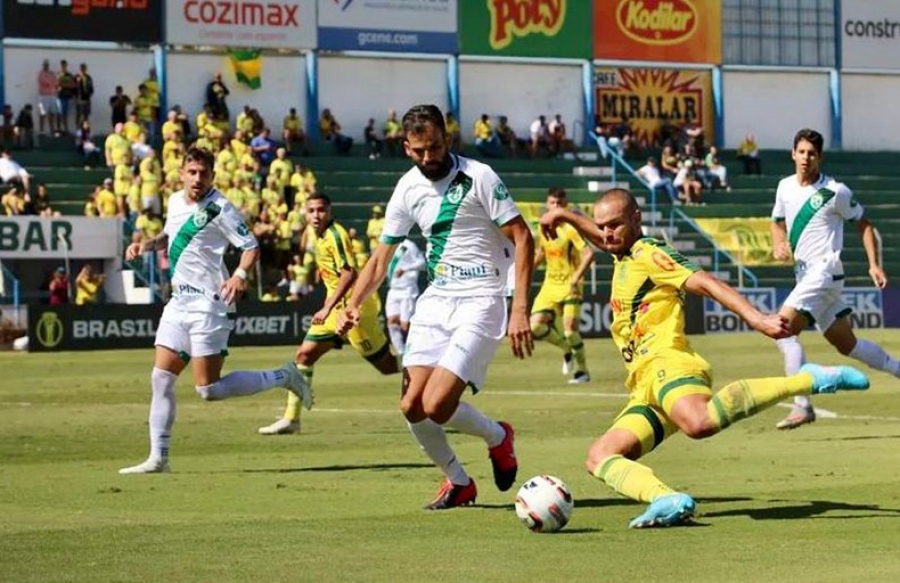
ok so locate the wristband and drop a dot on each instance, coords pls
(240, 273)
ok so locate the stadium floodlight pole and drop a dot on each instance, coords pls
(65, 247)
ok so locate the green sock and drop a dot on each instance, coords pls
(548, 332)
(576, 344)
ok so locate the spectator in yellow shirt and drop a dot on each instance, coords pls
(292, 131)
(151, 177)
(107, 202)
(393, 133)
(238, 146)
(281, 168)
(132, 128)
(486, 140)
(375, 226)
(14, 202)
(90, 206)
(117, 147)
(123, 176)
(88, 285)
(358, 248)
(145, 105)
(244, 121)
(172, 128)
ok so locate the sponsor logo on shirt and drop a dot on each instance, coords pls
(446, 272)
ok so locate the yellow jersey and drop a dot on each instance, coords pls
(172, 131)
(333, 253)
(563, 255)
(122, 179)
(107, 203)
(648, 303)
(131, 130)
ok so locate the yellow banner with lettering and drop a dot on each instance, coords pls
(748, 239)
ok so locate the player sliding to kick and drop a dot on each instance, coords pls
(468, 218)
(669, 383)
(808, 226)
(197, 321)
(337, 269)
(568, 258)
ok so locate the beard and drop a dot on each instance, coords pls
(435, 172)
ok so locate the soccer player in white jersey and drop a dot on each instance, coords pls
(808, 226)
(468, 218)
(403, 289)
(199, 317)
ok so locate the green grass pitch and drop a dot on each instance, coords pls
(342, 501)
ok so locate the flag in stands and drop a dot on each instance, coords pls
(247, 64)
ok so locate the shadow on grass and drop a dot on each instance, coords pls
(340, 468)
(811, 509)
(857, 438)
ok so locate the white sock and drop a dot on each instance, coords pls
(162, 412)
(240, 383)
(471, 421)
(875, 356)
(433, 441)
(794, 358)
(396, 334)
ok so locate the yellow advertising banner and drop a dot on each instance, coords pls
(748, 239)
(650, 99)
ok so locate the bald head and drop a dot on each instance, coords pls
(621, 198)
(618, 217)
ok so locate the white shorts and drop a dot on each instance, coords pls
(460, 334)
(817, 296)
(193, 333)
(402, 305)
(47, 104)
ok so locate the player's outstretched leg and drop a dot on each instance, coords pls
(244, 382)
(289, 423)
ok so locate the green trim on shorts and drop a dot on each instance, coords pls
(838, 277)
(223, 353)
(845, 312)
(379, 354)
(672, 385)
(551, 312)
(333, 338)
(809, 317)
(573, 302)
(474, 387)
(659, 433)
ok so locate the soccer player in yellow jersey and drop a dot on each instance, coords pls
(559, 301)
(337, 269)
(669, 383)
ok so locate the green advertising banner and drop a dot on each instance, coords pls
(526, 28)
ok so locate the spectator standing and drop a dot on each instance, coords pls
(24, 128)
(144, 105)
(117, 148)
(47, 104)
(9, 129)
(375, 226)
(216, 92)
(59, 287)
(84, 91)
(66, 89)
(263, 149)
(88, 285)
(748, 153)
(119, 104)
(153, 90)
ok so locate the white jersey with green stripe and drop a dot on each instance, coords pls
(199, 234)
(404, 268)
(460, 217)
(814, 216)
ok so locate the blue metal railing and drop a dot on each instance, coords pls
(9, 279)
(617, 160)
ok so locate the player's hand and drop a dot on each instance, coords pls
(320, 316)
(879, 278)
(133, 251)
(519, 333)
(549, 222)
(347, 319)
(774, 326)
(782, 251)
(233, 289)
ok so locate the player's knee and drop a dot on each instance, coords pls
(303, 358)
(393, 320)
(411, 407)
(539, 330)
(699, 427)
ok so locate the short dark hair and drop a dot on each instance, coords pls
(320, 196)
(811, 136)
(420, 116)
(557, 192)
(202, 155)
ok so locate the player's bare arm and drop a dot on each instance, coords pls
(781, 249)
(135, 250)
(870, 244)
(235, 286)
(519, 330)
(538, 257)
(370, 279)
(704, 284)
(553, 218)
(348, 276)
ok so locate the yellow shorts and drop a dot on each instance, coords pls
(367, 338)
(558, 300)
(659, 384)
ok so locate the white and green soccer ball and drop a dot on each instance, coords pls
(544, 504)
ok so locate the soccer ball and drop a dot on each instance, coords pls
(544, 504)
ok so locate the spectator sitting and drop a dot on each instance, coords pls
(358, 248)
(393, 133)
(12, 173)
(13, 201)
(540, 135)
(244, 121)
(330, 130)
(686, 182)
(85, 145)
(748, 153)
(24, 128)
(716, 169)
(273, 294)
(90, 205)
(39, 204)
(668, 133)
(606, 140)
(140, 149)
(693, 133)
(453, 131)
(624, 133)
(486, 141)
(507, 136)
(298, 276)
(88, 286)
(669, 162)
(651, 174)
(182, 119)
(293, 131)
(373, 142)
(559, 143)
(59, 287)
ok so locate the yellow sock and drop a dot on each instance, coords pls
(573, 339)
(631, 479)
(741, 399)
(548, 332)
(292, 411)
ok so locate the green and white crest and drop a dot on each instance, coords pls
(816, 200)
(501, 192)
(200, 218)
(455, 194)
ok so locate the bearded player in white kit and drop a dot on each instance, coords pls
(468, 218)
(199, 317)
(808, 226)
(403, 289)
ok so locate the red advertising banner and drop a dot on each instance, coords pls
(675, 31)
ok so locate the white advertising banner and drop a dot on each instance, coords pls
(52, 238)
(870, 34)
(428, 26)
(276, 24)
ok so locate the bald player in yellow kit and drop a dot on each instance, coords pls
(337, 268)
(669, 383)
(557, 307)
